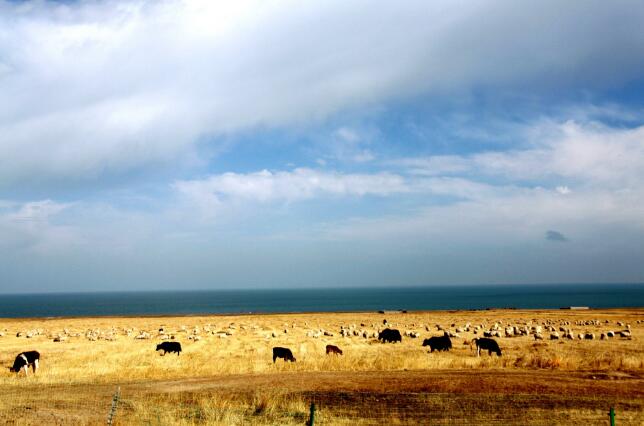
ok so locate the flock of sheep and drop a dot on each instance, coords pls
(443, 343)
(555, 328)
(477, 333)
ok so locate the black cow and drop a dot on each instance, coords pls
(332, 349)
(24, 360)
(442, 343)
(284, 353)
(390, 335)
(169, 347)
(490, 345)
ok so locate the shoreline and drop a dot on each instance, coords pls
(163, 304)
(354, 312)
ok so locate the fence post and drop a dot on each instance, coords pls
(115, 403)
(611, 414)
(312, 415)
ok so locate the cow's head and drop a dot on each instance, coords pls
(158, 347)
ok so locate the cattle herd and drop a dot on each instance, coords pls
(484, 340)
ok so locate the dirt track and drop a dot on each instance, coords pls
(452, 381)
(410, 397)
(516, 397)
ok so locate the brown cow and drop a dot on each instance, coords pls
(332, 349)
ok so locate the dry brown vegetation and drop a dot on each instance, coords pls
(225, 374)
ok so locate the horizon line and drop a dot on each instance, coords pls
(313, 288)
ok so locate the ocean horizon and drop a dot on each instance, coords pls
(240, 301)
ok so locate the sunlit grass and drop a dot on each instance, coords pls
(78, 361)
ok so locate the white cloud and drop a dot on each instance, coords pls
(95, 89)
(299, 184)
(475, 210)
(455, 195)
(588, 154)
(28, 226)
(101, 87)
(349, 145)
(596, 170)
(435, 165)
(599, 169)
(503, 216)
(364, 156)
(563, 190)
(36, 211)
(347, 134)
(599, 154)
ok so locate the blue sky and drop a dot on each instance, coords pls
(207, 144)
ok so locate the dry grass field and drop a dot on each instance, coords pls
(225, 374)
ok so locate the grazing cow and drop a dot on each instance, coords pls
(390, 335)
(332, 349)
(486, 344)
(442, 343)
(284, 353)
(169, 347)
(24, 360)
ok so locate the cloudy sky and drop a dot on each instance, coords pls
(206, 144)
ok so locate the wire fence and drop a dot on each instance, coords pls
(116, 406)
(55, 405)
(468, 409)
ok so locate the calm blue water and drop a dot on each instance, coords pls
(321, 300)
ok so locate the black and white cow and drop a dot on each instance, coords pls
(25, 360)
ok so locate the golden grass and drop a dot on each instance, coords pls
(67, 367)
(217, 409)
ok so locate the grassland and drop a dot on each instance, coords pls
(226, 375)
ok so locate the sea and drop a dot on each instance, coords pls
(474, 297)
